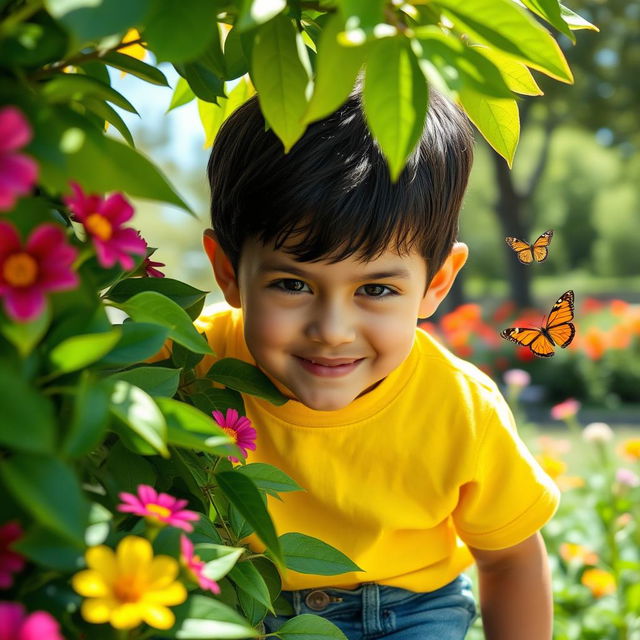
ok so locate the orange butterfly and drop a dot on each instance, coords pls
(528, 253)
(557, 330)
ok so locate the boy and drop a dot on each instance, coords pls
(408, 455)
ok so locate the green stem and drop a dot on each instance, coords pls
(232, 538)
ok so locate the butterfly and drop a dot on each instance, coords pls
(558, 329)
(528, 253)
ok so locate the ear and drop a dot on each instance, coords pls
(222, 268)
(443, 280)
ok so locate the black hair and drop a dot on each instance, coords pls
(332, 193)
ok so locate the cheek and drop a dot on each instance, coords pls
(392, 336)
(269, 328)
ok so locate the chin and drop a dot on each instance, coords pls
(326, 404)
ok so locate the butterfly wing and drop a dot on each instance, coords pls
(523, 250)
(559, 326)
(539, 247)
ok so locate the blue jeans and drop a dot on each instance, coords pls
(380, 611)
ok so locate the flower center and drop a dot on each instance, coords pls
(98, 225)
(163, 512)
(20, 270)
(231, 433)
(128, 588)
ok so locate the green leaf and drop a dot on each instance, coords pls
(66, 144)
(135, 67)
(180, 31)
(204, 83)
(49, 491)
(79, 351)
(139, 341)
(150, 306)
(181, 293)
(243, 494)
(90, 417)
(24, 336)
(23, 408)
(257, 12)
(110, 115)
(575, 21)
(156, 381)
(280, 71)
(201, 617)
(269, 478)
(47, 549)
(309, 627)
(139, 412)
(93, 19)
(128, 469)
(549, 10)
(515, 74)
(496, 118)
(305, 554)
(336, 70)
(235, 60)
(511, 29)
(219, 559)
(75, 86)
(218, 400)
(247, 578)
(182, 95)
(395, 100)
(246, 378)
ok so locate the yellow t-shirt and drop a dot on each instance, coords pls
(405, 475)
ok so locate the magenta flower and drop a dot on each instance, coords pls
(239, 429)
(159, 509)
(103, 220)
(18, 173)
(16, 624)
(29, 271)
(195, 566)
(566, 409)
(10, 561)
(150, 270)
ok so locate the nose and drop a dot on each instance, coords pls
(331, 324)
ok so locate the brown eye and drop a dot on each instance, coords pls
(378, 290)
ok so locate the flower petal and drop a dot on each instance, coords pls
(40, 625)
(163, 571)
(103, 560)
(158, 617)
(98, 610)
(147, 493)
(9, 239)
(15, 130)
(173, 594)
(134, 555)
(90, 584)
(24, 304)
(127, 616)
(116, 209)
(11, 617)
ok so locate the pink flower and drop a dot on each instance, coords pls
(10, 561)
(627, 477)
(149, 268)
(195, 566)
(103, 220)
(16, 624)
(239, 429)
(517, 378)
(18, 173)
(158, 508)
(29, 271)
(566, 409)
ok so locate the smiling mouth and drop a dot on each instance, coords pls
(331, 362)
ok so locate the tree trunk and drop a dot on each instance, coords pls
(510, 212)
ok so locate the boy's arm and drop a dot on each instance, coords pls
(515, 591)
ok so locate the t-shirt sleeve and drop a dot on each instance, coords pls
(509, 497)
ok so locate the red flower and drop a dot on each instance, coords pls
(10, 561)
(103, 221)
(29, 271)
(18, 173)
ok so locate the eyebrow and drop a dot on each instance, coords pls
(378, 275)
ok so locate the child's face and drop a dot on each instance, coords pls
(328, 333)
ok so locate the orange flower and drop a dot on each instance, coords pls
(569, 482)
(620, 336)
(619, 307)
(631, 449)
(572, 552)
(599, 582)
(589, 305)
(594, 343)
(554, 446)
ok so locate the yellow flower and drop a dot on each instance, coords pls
(600, 582)
(631, 449)
(552, 465)
(133, 50)
(572, 552)
(130, 586)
